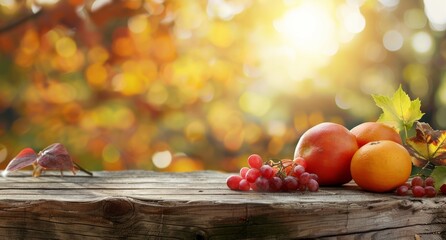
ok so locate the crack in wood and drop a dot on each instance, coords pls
(389, 229)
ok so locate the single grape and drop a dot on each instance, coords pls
(255, 161)
(314, 176)
(233, 182)
(262, 184)
(267, 171)
(275, 170)
(418, 191)
(313, 185)
(298, 170)
(417, 181)
(429, 181)
(300, 161)
(304, 178)
(443, 188)
(430, 191)
(290, 183)
(252, 175)
(275, 184)
(244, 185)
(243, 172)
(402, 190)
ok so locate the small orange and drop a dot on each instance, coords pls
(381, 166)
(375, 131)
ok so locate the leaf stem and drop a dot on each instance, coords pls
(428, 166)
(405, 133)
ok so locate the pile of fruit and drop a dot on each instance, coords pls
(283, 175)
(419, 187)
(373, 154)
(329, 154)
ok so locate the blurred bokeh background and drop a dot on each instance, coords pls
(175, 85)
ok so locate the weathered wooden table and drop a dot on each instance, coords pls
(198, 205)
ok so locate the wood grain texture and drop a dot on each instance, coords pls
(198, 205)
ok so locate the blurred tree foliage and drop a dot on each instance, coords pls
(184, 85)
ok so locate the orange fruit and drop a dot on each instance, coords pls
(381, 166)
(375, 131)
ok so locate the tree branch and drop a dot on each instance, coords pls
(17, 22)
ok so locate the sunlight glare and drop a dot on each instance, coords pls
(8, 3)
(352, 19)
(309, 28)
(435, 13)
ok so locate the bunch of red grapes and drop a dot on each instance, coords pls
(270, 176)
(420, 187)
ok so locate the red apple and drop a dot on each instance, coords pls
(328, 149)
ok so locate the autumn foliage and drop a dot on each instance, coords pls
(181, 85)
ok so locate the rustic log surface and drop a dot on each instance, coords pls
(198, 205)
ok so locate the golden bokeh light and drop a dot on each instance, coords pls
(66, 47)
(185, 164)
(254, 103)
(162, 159)
(195, 131)
(179, 85)
(96, 75)
(98, 54)
(139, 23)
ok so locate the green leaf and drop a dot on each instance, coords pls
(424, 171)
(399, 111)
(439, 176)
